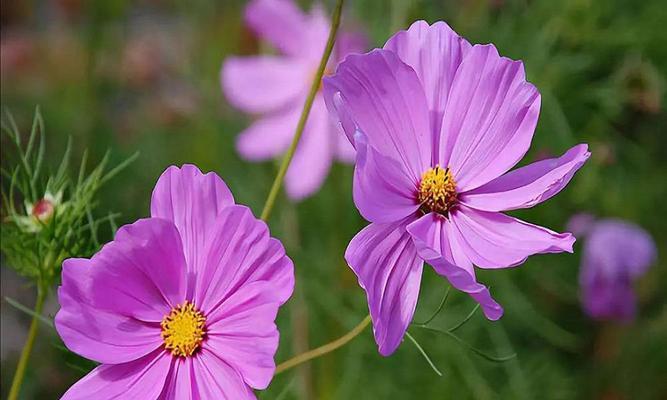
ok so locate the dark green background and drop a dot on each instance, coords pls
(143, 75)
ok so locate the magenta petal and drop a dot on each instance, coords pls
(313, 156)
(264, 83)
(489, 119)
(180, 384)
(269, 136)
(529, 185)
(242, 331)
(102, 336)
(495, 240)
(386, 263)
(217, 380)
(140, 275)
(192, 201)
(140, 379)
(379, 95)
(280, 22)
(382, 190)
(435, 53)
(239, 252)
(432, 235)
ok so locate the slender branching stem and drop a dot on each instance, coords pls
(314, 88)
(322, 350)
(280, 177)
(27, 348)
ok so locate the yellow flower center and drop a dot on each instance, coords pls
(183, 330)
(437, 190)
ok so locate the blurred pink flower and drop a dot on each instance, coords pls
(180, 305)
(275, 87)
(437, 124)
(615, 253)
(17, 54)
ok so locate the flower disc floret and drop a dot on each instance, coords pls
(437, 190)
(183, 330)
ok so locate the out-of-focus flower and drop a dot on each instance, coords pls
(17, 54)
(615, 254)
(437, 124)
(179, 305)
(275, 87)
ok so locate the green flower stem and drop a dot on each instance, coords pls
(280, 177)
(314, 88)
(322, 350)
(27, 348)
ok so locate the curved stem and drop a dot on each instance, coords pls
(27, 348)
(314, 88)
(322, 350)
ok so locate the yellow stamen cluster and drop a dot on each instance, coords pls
(437, 190)
(183, 330)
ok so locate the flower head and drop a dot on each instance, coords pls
(275, 86)
(437, 123)
(179, 305)
(616, 253)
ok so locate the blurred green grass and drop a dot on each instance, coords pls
(144, 76)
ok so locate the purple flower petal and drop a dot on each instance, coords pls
(382, 190)
(140, 379)
(280, 22)
(435, 53)
(313, 156)
(141, 278)
(269, 136)
(382, 97)
(102, 336)
(180, 383)
(217, 380)
(530, 185)
(242, 330)
(436, 244)
(495, 240)
(489, 119)
(386, 263)
(192, 201)
(239, 252)
(264, 83)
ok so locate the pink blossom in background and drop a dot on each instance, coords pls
(274, 87)
(180, 305)
(615, 254)
(437, 124)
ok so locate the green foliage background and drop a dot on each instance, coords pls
(144, 76)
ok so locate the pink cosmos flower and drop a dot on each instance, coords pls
(180, 305)
(437, 124)
(275, 87)
(616, 253)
